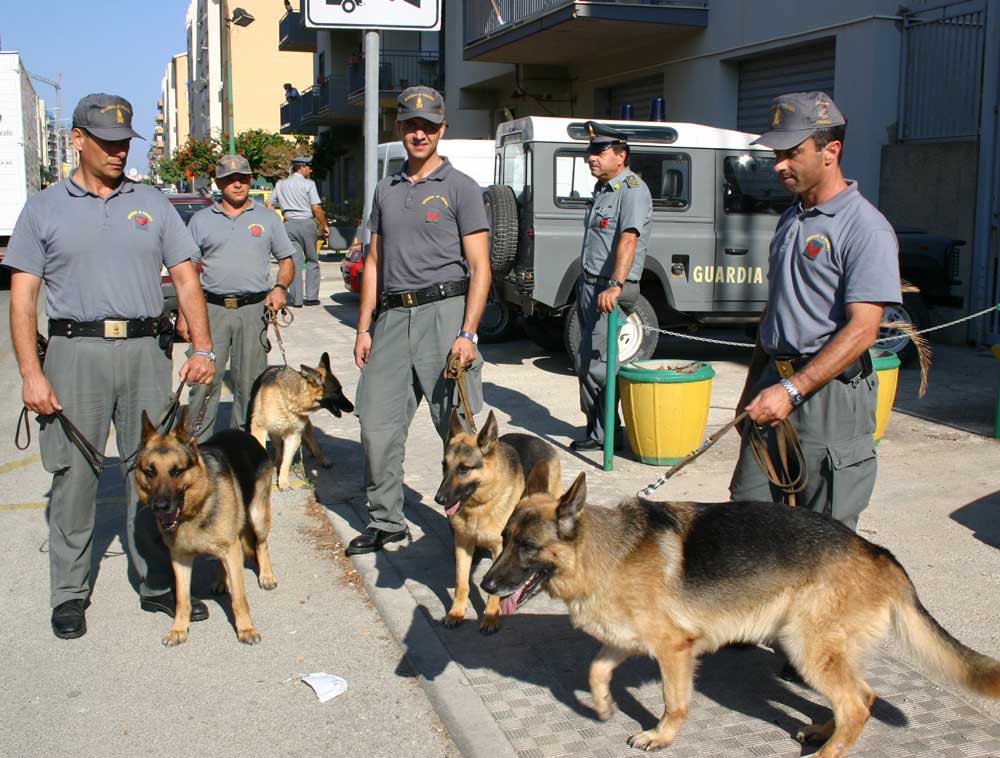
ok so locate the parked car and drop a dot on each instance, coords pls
(186, 206)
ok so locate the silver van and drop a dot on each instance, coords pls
(716, 202)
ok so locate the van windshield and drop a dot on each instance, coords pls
(752, 186)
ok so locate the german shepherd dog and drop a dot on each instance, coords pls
(676, 580)
(483, 480)
(210, 499)
(280, 403)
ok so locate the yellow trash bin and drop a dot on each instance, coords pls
(665, 405)
(887, 368)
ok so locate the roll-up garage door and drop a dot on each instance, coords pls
(637, 92)
(803, 68)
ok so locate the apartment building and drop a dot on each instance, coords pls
(173, 95)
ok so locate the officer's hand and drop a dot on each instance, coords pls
(326, 231)
(464, 347)
(771, 405)
(182, 327)
(362, 348)
(607, 300)
(38, 395)
(275, 299)
(198, 369)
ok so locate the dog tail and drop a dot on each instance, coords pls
(941, 653)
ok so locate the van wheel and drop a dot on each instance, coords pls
(914, 310)
(634, 343)
(498, 322)
(547, 333)
(501, 212)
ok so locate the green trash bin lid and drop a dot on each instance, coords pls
(883, 360)
(660, 371)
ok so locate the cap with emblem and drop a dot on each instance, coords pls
(232, 164)
(420, 102)
(302, 160)
(602, 137)
(796, 116)
(107, 117)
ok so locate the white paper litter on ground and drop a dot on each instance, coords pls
(326, 686)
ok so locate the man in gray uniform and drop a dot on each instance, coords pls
(834, 264)
(428, 260)
(299, 202)
(615, 236)
(236, 239)
(98, 241)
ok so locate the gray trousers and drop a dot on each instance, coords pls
(236, 341)
(303, 234)
(835, 426)
(410, 348)
(591, 359)
(98, 382)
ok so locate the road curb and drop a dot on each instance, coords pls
(469, 723)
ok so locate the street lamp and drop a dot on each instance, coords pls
(240, 18)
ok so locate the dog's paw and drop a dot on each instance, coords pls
(248, 636)
(284, 484)
(489, 625)
(453, 619)
(268, 582)
(815, 734)
(175, 637)
(648, 740)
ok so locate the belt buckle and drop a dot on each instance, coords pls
(785, 368)
(409, 299)
(231, 302)
(115, 329)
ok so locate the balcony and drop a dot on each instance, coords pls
(159, 118)
(568, 31)
(398, 69)
(324, 104)
(293, 36)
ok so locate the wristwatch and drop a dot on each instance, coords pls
(469, 336)
(282, 287)
(793, 392)
(615, 283)
(207, 353)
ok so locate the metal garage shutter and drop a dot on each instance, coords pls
(638, 92)
(799, 69)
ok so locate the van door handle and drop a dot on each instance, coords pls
(736, 251)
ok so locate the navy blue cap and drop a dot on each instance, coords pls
(107, 117)
(796, 116)
(602, 137)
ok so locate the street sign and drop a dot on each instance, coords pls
(412, 15)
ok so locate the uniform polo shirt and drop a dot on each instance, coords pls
(236, 251)
(296, 196)
(822, 259)
(421, 224)
(100, 257)
(620, 204)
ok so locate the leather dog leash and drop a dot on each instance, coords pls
(275, 319)
(456, 370)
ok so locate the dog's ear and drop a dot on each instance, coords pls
(454, 424)
(182, 430)
(487, 439)
(570, 506)
(148, 430)
(324, 363)
(538, 479)
(311, 374)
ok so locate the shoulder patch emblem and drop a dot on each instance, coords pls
(632, 180)
(140, 218)
(816, 244)
(256, 229)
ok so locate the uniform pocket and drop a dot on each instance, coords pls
(852, 476)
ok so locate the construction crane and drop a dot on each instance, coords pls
(57, 85)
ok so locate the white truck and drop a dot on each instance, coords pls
(20, 143)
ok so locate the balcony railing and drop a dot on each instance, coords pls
(397, 70)
(320, 105)
(293, 36)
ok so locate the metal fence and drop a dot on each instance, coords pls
(941, 66)
(484, 18)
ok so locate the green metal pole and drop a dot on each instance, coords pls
(229, 87)
(611, 391)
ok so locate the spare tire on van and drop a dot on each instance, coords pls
(501, 212)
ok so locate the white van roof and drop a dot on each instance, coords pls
(474, 157)
(551, 129)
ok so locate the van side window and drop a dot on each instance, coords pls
(378, 171)
(515, 169)
(574, 182)
(395, 164)
(751, 186)
(668, 176)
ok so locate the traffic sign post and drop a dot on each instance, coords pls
(413, 15)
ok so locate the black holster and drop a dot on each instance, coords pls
(168, 327)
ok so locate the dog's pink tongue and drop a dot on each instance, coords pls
(454, 509)
(508, 605)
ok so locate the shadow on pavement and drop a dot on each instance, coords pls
(980, 516)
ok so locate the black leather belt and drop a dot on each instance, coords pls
(117, 329)
(234, 301)
(786, 365)
(414, 298)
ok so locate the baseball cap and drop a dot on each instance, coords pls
(795, 116)
(107, 117)
(420, 102)
(232, 164)
(602, 137)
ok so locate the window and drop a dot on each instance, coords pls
(515, 168)
(752, 186)
(395, 164)
(668, 176)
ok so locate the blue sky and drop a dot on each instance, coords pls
(98, 46)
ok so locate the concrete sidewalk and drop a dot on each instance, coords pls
(524, 692)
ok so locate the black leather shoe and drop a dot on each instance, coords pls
(310, 302)
(167, 603)
(588, 444)
(372, 539)
(69, 620)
